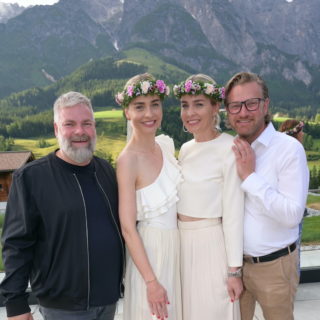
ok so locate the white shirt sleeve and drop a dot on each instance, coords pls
(285, 202)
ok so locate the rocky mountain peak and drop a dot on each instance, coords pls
(9, 10)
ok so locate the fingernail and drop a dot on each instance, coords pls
(232, 300)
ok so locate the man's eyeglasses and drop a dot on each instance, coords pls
(250, 104)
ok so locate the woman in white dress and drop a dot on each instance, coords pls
(148, 176)
(210, 207)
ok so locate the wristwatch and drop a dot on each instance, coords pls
(235, 274)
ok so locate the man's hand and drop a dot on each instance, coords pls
(245, 158)
(25, 316)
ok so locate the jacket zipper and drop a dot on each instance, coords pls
(119, 234)
(87, 238)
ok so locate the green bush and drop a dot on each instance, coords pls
(311, 230)
(42, 143)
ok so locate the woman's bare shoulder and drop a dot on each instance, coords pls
(127, 160)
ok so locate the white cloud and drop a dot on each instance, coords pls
(26, 3)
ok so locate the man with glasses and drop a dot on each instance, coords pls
(275, 178)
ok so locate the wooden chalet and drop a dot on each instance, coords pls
(9, 162)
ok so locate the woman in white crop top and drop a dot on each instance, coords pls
(148, 176)
(210, 207)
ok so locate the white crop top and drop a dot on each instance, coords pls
(211, 189)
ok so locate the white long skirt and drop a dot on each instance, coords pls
(163, 251)
(204, 272)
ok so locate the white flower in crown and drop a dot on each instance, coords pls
(176, 89)
(145, 85)
(209, 88)
(195, 86)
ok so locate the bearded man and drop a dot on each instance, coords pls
(61, 229)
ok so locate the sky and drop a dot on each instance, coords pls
(25, 3)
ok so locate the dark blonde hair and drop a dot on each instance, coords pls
(135, 82)
(138, 78)
(200, 77)
(247, 77)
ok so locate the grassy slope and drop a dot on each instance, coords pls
(156, 66)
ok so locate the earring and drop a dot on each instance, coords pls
(184, 128)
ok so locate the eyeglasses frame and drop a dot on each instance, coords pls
(245, 104)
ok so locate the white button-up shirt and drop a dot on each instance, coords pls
(275, 194)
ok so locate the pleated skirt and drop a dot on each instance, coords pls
(204, 272)
(163, 250)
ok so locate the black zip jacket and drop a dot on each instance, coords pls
(45, 237)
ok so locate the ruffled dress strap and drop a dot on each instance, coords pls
(158, 197)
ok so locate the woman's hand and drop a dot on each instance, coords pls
(235, 288)
(158, 299)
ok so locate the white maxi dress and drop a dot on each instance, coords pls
(157, 227)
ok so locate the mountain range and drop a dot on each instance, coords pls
(278, 39)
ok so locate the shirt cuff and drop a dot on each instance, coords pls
(250, 183)
(17, 307)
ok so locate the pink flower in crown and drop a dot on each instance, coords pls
(161, 86)
(130, 91)
(188, 86)
(222, 93)
(145, 85)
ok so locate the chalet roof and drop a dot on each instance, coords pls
(12, 160)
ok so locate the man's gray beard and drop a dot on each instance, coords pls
(78, 155)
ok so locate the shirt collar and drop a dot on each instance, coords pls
(265, 137)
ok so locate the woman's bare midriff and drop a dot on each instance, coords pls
(182, 217)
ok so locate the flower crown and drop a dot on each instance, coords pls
(153, 87)
(198, 87)
(296, 129)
